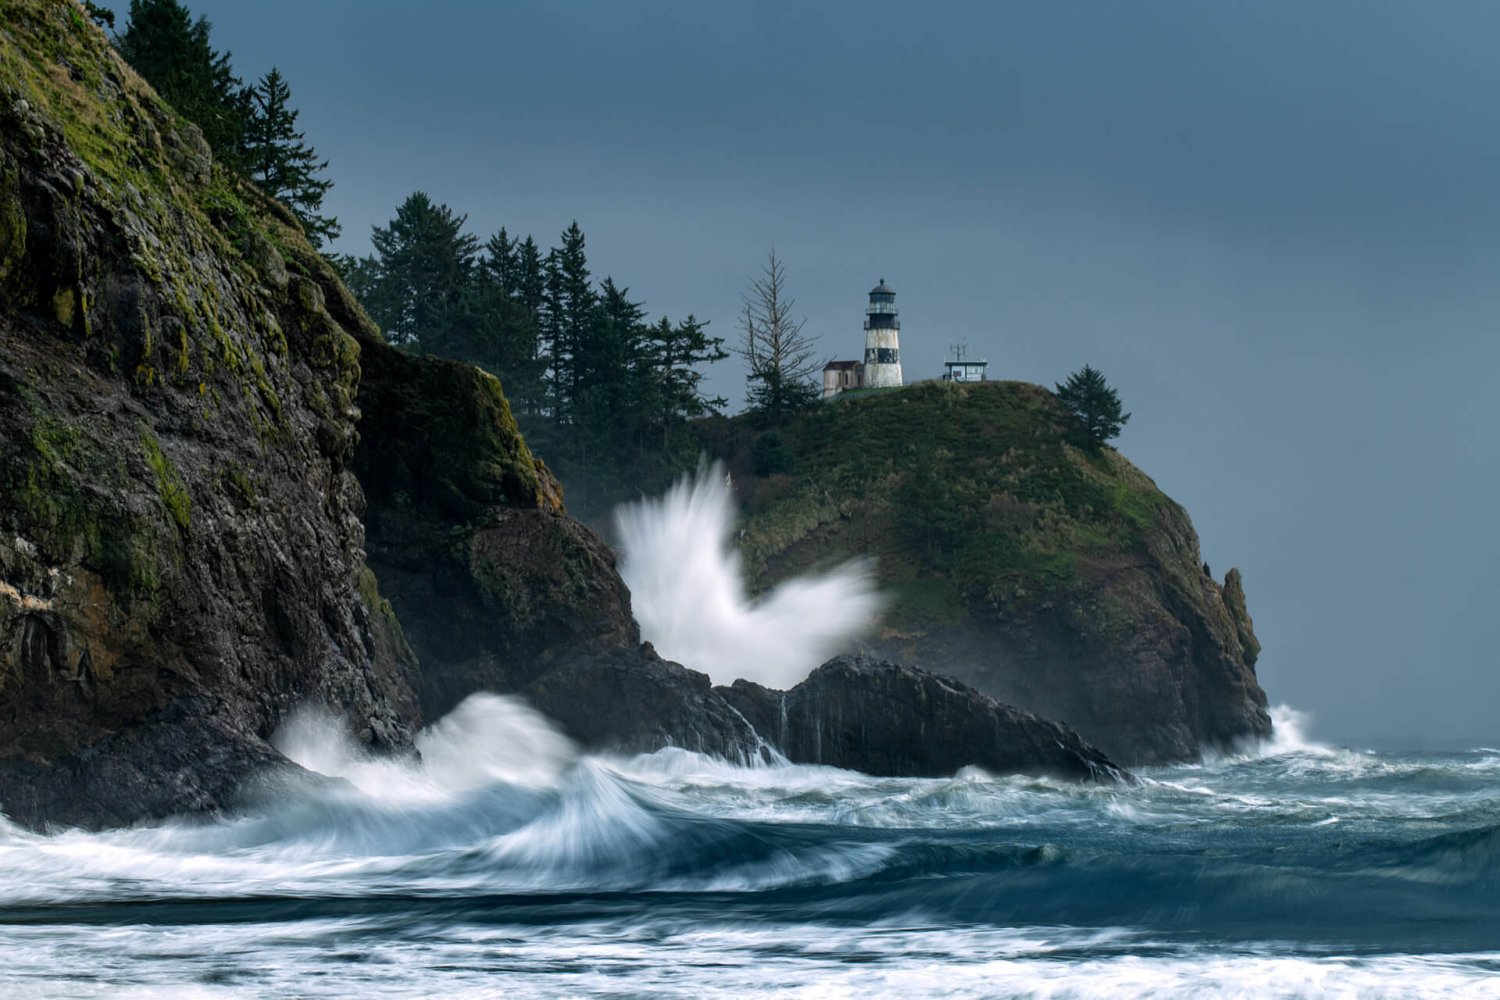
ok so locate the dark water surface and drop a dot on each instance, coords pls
(1297, 870)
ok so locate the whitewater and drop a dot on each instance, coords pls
(1278, 872)
(503, 861)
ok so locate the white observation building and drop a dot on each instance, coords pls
(882, 339)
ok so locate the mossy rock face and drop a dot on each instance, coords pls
(12, 221)
(181, 554)
(1060, 580)
(440, 433)
(490, 578)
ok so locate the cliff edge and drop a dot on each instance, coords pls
(1056, 579)
(181, 550)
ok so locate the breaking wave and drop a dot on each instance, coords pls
(504, 860)
(687, 586)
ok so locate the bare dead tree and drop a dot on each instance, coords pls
(781, 359)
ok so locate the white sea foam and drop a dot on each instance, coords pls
(487, 739)
(1289, 735)
(688, 590)
(711, 958)
(502, 860)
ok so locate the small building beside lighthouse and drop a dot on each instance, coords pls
(882, 339)
(841, 376)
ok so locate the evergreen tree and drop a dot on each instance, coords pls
(499, 263)
(530, 290)
(607, 404)
(172, 51)
(1094, 406)
(676, 353)
(780, 357)
(604, 395)
(568, 310)
(492, 330)
(361, 274)
(102, 16)
(422, 267)
(281, 162)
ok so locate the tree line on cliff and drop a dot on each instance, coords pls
(607, 395)
(603, 392)
(251, 129)
(600, 389)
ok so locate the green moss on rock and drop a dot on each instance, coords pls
(1061, 580)
(442, 433)
(169, 484)
(12, 221)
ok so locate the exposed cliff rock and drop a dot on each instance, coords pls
(852, 712)
(180, 538)
(490, 578)
(633, 701)
(1058, 580)
(885, 718)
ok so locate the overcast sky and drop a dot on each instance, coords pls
(1274, 226)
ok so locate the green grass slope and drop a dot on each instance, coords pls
(1060, 578)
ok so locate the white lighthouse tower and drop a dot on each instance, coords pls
(882, 339)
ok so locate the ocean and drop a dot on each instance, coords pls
(506, 864)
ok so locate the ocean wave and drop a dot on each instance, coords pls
(504, 851)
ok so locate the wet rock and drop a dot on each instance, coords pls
(492, 581)
(889, 719)
(181, 553)
(633, 701)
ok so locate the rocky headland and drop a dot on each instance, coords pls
(223, 496)
(1054, 577)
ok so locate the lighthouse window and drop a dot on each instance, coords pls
(882, 356)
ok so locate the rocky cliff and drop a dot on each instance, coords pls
(880, 717)
(188, 392)
(493, 582)
(201, 436)
(1056, 579)
(181, 551)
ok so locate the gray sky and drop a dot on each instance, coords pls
(1274, 226)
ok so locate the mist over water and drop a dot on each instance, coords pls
(687, 587)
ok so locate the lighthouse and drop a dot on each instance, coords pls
(882, 339)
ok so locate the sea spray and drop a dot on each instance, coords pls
(688, 590)
(1289, 728)
(488, 739)
(680, 875)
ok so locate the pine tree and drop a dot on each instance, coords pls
(499, 262)
(171, 50)
(494, 331)
(102, 16)
(281, 162)
(608, 404)
(676, 353)
(422, 267)
(530, 290)
(1094, 406)
(568, 310)
(780, 357)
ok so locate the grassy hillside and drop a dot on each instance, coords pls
(1056, 578)
(965, 493)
